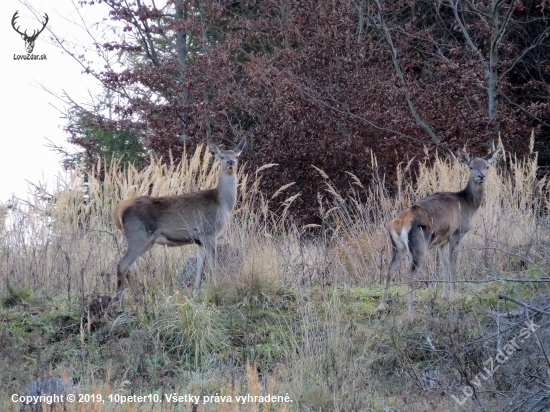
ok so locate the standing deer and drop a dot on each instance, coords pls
(437, 221)
(198, 217)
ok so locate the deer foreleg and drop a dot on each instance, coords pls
(442, 251)
(211, 256)
(453, 254)
(206, 250)
(200, 262)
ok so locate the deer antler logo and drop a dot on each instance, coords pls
(29, 40)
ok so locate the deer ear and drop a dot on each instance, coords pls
(240, 146)
(463, 157)
(493, 156)
(214, 149)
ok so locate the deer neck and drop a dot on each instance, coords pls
(227, 190)
(473, 194)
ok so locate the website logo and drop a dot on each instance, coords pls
(29, 39)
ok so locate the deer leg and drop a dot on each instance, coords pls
(417, 261)
(208, 250)
(138, 243)
(211, 256)
(131, 280)
(453, 254)
(418, 245)
(200, 262)
(442, 251)
(397, 256)
(124, 276)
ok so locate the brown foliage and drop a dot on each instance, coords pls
(313, 83)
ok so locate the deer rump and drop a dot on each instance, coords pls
(430, 222)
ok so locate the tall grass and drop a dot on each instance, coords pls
(67, 242)
(506, 230)
(292, 320)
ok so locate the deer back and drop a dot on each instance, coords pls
(448, 213)
(172, 215)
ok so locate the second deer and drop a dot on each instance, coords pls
(198, 217)
(437, 221)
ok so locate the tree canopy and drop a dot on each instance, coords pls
(323, 83)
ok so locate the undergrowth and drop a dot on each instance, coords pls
(294, 313)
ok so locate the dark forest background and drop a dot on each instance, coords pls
(323, 83)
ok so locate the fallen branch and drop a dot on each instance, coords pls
(519, 302)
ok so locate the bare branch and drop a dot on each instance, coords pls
(454, 6)
(310, 94)
(541, 346)
(521, 303)
(475, 10)
(151, 51)
(520, 107)
(387, 36)
(502, 28)
(537, 43)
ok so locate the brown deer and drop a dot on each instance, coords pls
(437, 221)
(198, 217)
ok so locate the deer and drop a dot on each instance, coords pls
(199, 218)
(438, 221)
(29, 40)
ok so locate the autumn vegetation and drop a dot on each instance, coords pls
(319, 83)
(352, 110)
(300, 315)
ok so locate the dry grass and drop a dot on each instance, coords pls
(297, 316)
(506, 230)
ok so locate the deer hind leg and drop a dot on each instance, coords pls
(138, 244)
(398, 253)
(418, 244)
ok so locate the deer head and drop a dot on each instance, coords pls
(29, 40)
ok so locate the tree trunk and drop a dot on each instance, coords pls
(182, 52)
